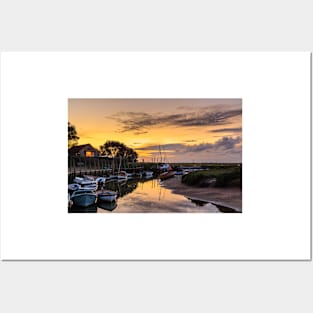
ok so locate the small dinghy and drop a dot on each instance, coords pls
(90, 187)
(167, 175)
(83, 181)
(148, 174)
(73, 187)
(78, 180)
(107, 196)
(83, 198)
(100, 180)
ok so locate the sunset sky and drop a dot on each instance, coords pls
(187, 130)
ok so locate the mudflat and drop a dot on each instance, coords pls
(228, 196)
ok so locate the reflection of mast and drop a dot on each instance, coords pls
(160, 192)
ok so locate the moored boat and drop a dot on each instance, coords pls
(122, 175)
(100, 180)
(148, 174)
(87, 182)
(167, 175)
(83, 181)
(107, 195)
(83, 198)
(78, 180)
(73, 187)
(91, 187)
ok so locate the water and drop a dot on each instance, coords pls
(146, 196)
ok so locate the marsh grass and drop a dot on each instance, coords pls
(226, 176)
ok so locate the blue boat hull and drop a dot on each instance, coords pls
(84, 200)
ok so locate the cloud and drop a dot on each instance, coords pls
(140, 132)
(226, 149)
(139, 122)
(222, 130)
(225, 143)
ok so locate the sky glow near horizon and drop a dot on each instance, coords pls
(184, 130)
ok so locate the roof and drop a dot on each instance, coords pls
(77, 149)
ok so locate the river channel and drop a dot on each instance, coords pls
(139, 196)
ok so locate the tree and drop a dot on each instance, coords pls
(116, 149)
(72, 135)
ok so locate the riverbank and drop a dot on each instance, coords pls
(231, 197)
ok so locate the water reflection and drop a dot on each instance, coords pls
(79, 209)
(139, 196)
(122, 188)
(109, 206)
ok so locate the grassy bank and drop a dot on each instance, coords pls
(217, 176)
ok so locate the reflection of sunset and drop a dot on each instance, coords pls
(150, 196)
(184, 129)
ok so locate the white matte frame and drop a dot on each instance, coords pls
(275, 92)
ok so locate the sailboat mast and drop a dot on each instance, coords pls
(160, 153)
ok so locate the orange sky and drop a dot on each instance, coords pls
(188, 130)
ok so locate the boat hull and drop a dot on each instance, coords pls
(167, 175)
(108, 206)
(84, 200)
(89, 187)
(107, 198)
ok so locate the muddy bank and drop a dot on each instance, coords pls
(227, 196)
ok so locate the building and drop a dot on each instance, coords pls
(83, 151)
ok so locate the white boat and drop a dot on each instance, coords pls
(83, 198)
(167, 175)
(73, 187)
(83, 181)
(165, 167)
(122, 176)
(148, 174)
(78, 180)
(130, 175)
(107, 195)
(87, 182)
(100, 180)
(90, 187)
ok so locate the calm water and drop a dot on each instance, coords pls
(145, 196)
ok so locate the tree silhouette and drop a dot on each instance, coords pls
(72, 135)
(116, 149)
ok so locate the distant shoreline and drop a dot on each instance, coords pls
(230, 198)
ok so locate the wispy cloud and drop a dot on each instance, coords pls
(140, 122)
(222, 130)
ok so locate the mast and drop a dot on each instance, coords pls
(160, 153)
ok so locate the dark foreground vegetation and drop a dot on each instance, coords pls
(215, 176)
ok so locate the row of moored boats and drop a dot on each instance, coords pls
(86, 191)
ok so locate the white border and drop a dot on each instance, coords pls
(275, 88)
